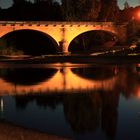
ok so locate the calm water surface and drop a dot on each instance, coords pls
(82, 102)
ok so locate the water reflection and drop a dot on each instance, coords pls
(96, 73)
(69, 79)
(26, 76)
(88, 113)
(84, 113)
(41, 100)
(129, 81)
(63, 78)
(99, 112)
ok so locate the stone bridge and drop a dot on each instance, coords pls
(63, 33)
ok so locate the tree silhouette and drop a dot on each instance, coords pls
(68, 10)
(109, 11)
(80, 9)
(126, 5)
(28, 10)
(17, 2)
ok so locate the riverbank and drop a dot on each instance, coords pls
(9, 131)
(70, 59)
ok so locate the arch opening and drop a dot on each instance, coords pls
(92, 41)
(28, 42)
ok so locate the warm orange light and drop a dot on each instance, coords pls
(138, 15)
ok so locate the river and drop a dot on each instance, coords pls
(77, 101)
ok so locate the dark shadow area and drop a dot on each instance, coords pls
(138, 68)
(135, 39)
(36, 10)
(29, 42)
(130, 81)
(41, 100)
(26, 76)
(87, 113)
(58, 10)
(92, 41)
(84, 113)
(96, 73)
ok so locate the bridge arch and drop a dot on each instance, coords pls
(31, 42)
(73, 32)
(93, 40)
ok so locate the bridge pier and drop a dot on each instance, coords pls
(63, 45)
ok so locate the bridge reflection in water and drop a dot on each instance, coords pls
(59, 79)
(64, 78)
(93, 114)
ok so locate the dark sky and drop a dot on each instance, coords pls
(8, 3)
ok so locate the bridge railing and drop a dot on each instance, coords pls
(60, 23)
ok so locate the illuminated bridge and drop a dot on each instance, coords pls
(62, 33)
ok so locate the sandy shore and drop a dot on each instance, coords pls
(11, 132)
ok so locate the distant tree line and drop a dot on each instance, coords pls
(68, 10)
(26, 10)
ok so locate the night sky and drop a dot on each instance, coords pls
(8, 3)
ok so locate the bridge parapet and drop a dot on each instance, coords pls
(55, 23)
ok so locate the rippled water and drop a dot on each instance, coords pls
(76, 101)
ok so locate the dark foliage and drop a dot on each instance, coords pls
(69, 10)
(25, 10)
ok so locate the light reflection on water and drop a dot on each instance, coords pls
(57, 79)
(81, 102)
